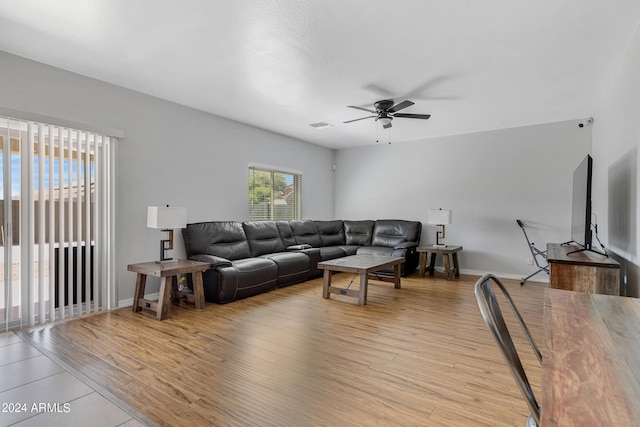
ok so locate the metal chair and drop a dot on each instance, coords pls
(535, 253)
(495, 322)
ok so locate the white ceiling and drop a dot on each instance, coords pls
(284, 64)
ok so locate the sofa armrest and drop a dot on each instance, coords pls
(299, 247)
(406, 245)
(215, 261)
(405, 249)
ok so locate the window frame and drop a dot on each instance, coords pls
(273, 213)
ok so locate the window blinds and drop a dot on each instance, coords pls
(274, 195)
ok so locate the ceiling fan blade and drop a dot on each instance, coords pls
(379, 90)
(421, 91)
(387, 126)
(361, 118)
(360, 108)
(412, 116)
(400, 106)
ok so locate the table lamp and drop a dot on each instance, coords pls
(439, 217)
(166, 219)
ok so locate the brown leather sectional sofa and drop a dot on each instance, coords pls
(248, 258)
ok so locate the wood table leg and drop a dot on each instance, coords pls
(432, 264)
(362, 294)
(396, 276)
(456, 267)
(423, 262)
(174, 290)
(198, 289)
(326, 283)
(141, 282)
(164, 297)
(447, 266)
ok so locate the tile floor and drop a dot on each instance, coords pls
(36, 391)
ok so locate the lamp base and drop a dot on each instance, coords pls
(440, 235)
(164, 246)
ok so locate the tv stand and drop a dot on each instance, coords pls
(588, 249)
(582, 270)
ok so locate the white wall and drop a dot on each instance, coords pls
(170, 155)
(488, 179)
(616, 138)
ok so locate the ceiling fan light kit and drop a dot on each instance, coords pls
(384, 121)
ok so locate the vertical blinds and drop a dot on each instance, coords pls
(57, 222)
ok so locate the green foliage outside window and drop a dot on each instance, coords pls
(274, 195)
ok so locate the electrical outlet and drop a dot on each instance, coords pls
(530, 261)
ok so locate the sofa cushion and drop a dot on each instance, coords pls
(306, 232)
(246, 277)
(286, 234)
(225, 239)
(263, 237)
(375, 250)
(331, 232)
(358, 232)
(349, 249)
(390, 232)
(293, 267)
(331, 252)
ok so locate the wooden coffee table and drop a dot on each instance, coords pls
(362, 265)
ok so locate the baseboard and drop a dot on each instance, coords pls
(539, 278)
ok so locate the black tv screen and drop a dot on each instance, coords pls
(581, 204)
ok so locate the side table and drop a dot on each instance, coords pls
(167, 273)
(445, 251)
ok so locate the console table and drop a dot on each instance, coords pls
(584, 271)
(445, 251)
(167, 273)
(590, 360)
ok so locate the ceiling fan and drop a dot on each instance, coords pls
(385, 111)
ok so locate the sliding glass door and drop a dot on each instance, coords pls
(56, 222)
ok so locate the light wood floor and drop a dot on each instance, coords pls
(416, 356)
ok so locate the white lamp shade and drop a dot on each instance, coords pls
(439, 216)
(166, 218)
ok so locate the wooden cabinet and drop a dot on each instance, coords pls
(582, 271)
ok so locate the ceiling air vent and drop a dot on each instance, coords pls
(320, 125)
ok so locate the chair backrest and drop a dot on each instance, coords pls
(494, 319)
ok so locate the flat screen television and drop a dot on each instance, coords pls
(581, 204)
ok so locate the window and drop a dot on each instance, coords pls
(274, 195)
